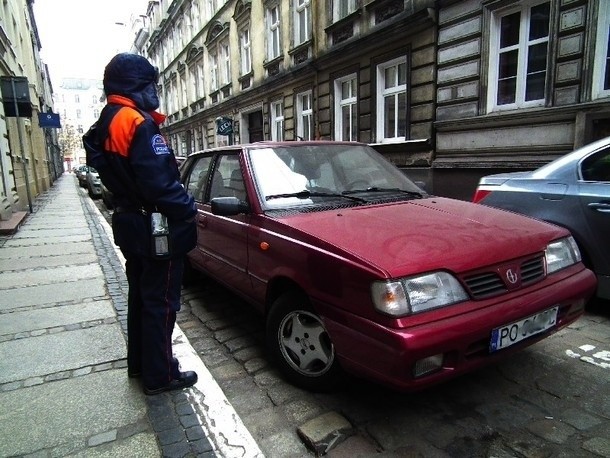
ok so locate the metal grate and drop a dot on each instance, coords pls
(485, 285)
(532, 270)
(490, 283)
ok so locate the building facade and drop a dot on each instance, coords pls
(29, 155)
(519, 83)
(79, 103)
(448, 90)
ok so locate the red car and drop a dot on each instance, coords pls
(357, 269)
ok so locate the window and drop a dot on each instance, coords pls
(246, 51)
(78, 114)
(213, 72)
(342, 8)
(77, 98)
(225, 63)
(302, 31)
(95, 99)
(96, 113)
(277, 121)
(273, 32)
(601, 72)
(304, 116)
(197, 178)
(197, 80)
(175, 104)
(519, 46)
(392, 101)
(195, 16)
(596, 167)
(346, 98)
(183, 92)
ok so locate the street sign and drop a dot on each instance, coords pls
(224, 126)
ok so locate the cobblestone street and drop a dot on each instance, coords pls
(553, 399)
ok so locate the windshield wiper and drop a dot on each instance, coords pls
(305, 194)
(377, 189)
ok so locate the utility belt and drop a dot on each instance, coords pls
(140, 210)
(157, 225)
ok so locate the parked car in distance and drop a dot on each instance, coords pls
(357, 269)
(94, 184)
(573, 192)
(107, 197)
(81, 175)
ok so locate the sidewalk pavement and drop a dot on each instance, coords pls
(64, 389)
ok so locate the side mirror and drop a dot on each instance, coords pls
(229, 206)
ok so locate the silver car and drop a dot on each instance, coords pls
(572, 191)
(94, 184)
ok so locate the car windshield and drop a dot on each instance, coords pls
(293, 176)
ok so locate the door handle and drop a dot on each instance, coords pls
(202, 221)
(603, 207)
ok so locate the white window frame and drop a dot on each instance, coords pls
(302, 18)
(304, 115)
(175, 102)
(273, 32)
(277, 121)
(246, 51)
(352, 102)
(195, 16)
(214, 76)
(523, 46)
(343, 8)
(183, 91)
(224, 60)
(602, 51)
(382, 93)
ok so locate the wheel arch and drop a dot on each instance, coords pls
(279, 286)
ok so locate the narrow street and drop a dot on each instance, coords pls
(551, 400)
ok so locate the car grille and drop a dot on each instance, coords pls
(493, 281)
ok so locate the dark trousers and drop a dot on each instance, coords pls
(153, 300)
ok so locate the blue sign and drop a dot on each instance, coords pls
(49, 120)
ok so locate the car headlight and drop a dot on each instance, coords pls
(417, 294)
(561, 253)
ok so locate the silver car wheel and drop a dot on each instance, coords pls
(305, 344)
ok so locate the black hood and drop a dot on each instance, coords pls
(134, 77)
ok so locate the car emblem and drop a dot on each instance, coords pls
(512, 276)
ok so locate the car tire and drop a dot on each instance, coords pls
(300, 344)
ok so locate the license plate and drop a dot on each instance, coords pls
(510, 334)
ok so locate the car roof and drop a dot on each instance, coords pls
(271, 144)
(563, 165)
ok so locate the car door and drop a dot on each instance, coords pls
(223, 240)
(196, 184)
(594, 190)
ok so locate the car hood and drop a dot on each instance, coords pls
(424, 235)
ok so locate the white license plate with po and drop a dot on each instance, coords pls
(510, 334)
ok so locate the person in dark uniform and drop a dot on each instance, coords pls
(142, 174)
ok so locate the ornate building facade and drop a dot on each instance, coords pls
(448, 90)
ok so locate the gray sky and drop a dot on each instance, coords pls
(79, 37)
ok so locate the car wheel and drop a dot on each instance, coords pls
(300, 344)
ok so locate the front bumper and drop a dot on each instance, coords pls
(388, 355)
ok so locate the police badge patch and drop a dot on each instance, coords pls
(159, 146)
